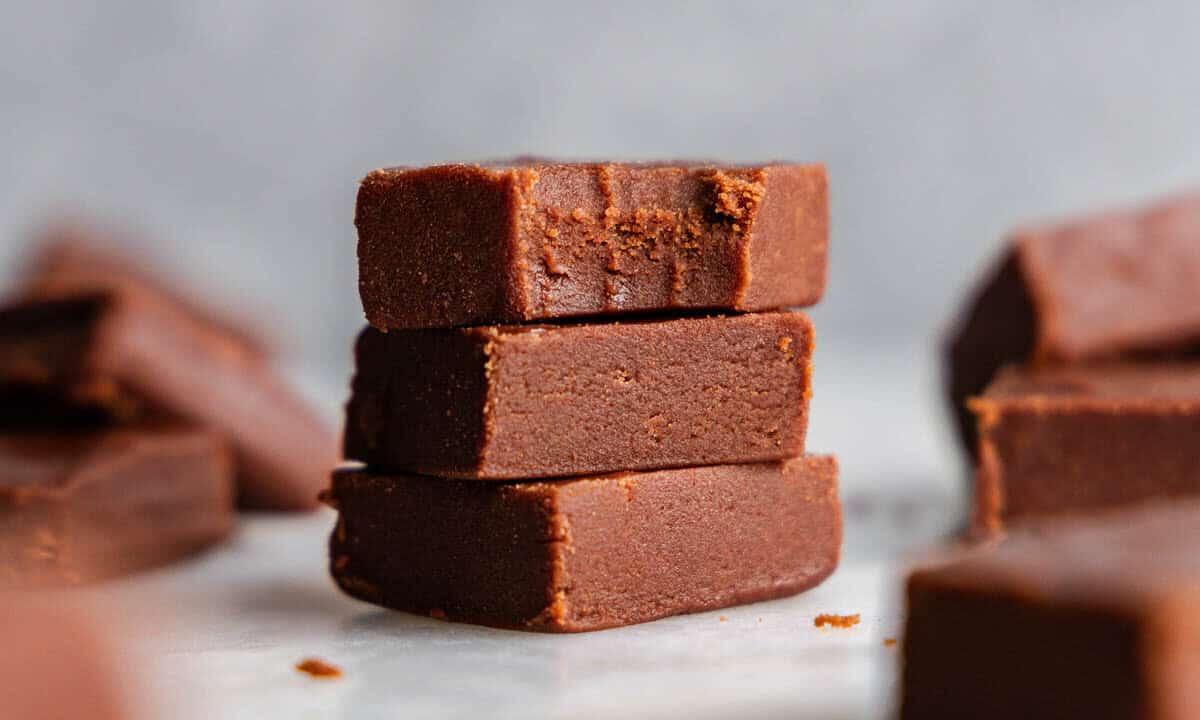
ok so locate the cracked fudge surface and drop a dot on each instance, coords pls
(1095, 617)
(588, 553)
(520, 402)
(80, 506)
(459, 245)
(1065, 439)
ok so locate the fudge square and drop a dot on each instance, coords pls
(1111, 284)
(588, 553)
(520, 402)
(82, 506)
(1094, 617)
(1071, 438)
(471, 245)
(135, 356)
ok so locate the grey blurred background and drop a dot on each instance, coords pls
(232, 134)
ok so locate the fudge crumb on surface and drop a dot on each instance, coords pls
(889, 642)
(722, 618)
(318, 668)
(837, 621)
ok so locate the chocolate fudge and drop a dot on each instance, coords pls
(129, 357)
(518, 402)
(1109, 285)
(60, 662)
(469, 245)
(1098, 617)
(589, 553)
(74, 257)
(1062, 439)
(76, 507)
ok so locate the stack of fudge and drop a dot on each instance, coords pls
(579, 403)
(1078, 397)
(132, 419)
(1073, 372)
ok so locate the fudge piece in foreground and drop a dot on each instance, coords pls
(471, 245)
(543, 401)
(76, 507)
(1113, 284)
(60, 662)
(1096, 617)
(125, 357)
(589, 553)
(1056, 440)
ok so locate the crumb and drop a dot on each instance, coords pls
(837, 621)
(318, 668)
(437, 614)
(760, 620)
(889, 642)
(722, 618)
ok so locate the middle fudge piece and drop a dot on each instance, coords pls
(587, 553)
(1055, 440)
(519, 402)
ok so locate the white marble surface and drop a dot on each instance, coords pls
(219, 637)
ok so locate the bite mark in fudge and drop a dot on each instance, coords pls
(76, 507)
(521, 402)
(1103, 286)
(588, 553)
(129, 357)
(1091, 617)
(1067, 439)
(460, 245)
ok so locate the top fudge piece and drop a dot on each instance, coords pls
(1107, 285)
(467, 244)
(1098, 617)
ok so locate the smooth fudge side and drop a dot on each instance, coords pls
(589, 553)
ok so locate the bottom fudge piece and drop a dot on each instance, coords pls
(60, 662)
(1092, 617)
(1059, 440)
(76, 507)
(587, 553)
